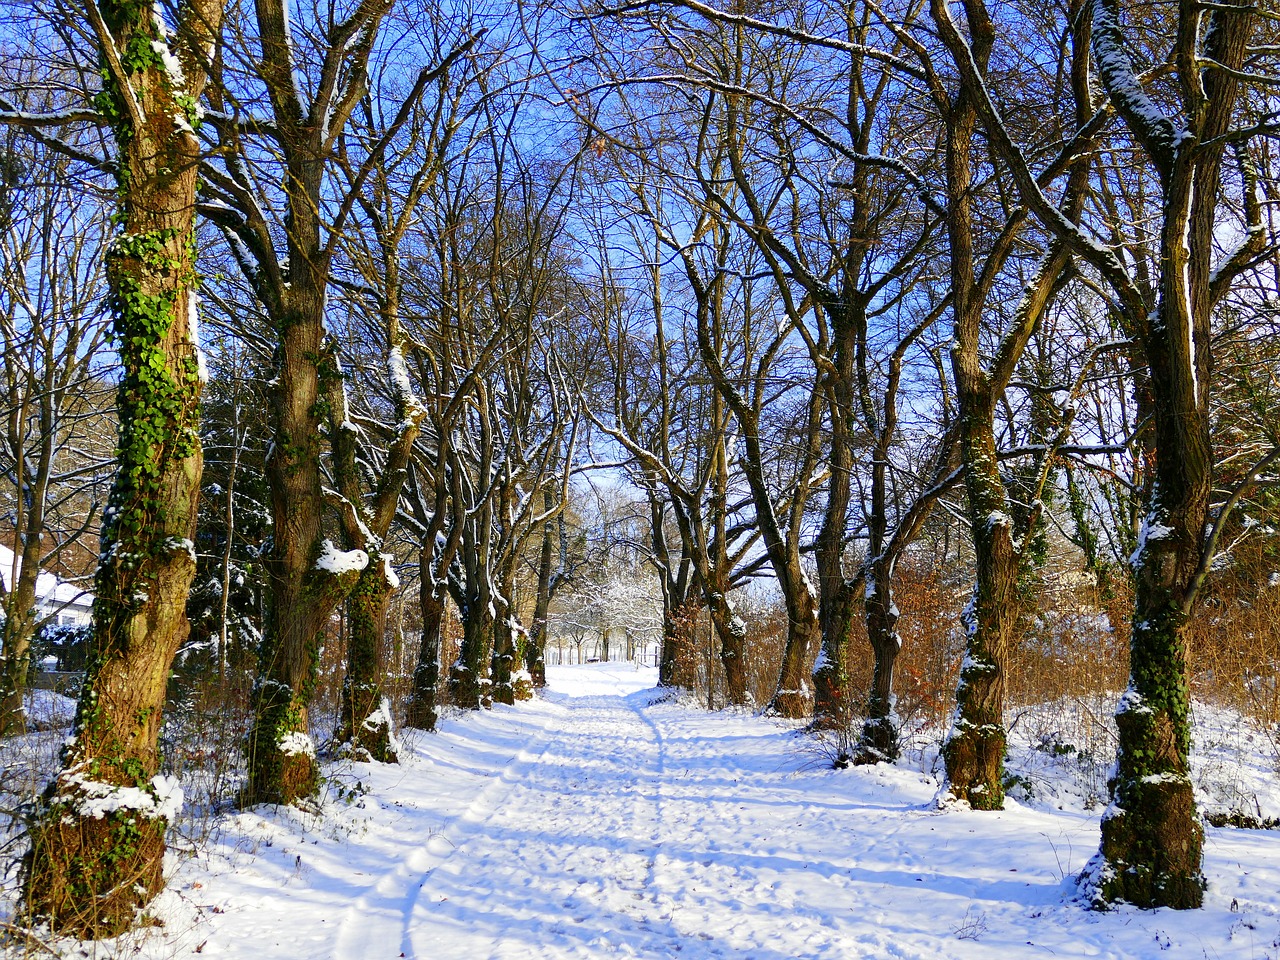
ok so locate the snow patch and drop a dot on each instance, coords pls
(296, 744)
(160, 800)
(389, 572)
(335, 561)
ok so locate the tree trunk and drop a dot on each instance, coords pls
(732, 633)
(422, 710)
(308, 578)
(794, 698)
(975, 747)
(541, 608)
(830, 677)
(510, 680)
(669, 653)
(470, 686)
(1152, 839)
(878, 741)
(87, 873)
(835, 605)
(16, 633)
(365, 723)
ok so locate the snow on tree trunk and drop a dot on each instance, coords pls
(421, 711)
(470, 684)
(511, 681)
(793, 697)
(364, 726)
(878, 740)
(974, 749)
(731, 630)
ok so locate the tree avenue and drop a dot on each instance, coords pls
(701, 335)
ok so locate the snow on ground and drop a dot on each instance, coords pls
(47, 710)
(598, 822)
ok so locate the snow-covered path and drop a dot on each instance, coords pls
(596, 823)
(562, 841)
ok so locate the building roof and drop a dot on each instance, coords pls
(50, 589)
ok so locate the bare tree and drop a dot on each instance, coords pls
(401, 174)
(1151, 839)
(52, 324)
(309, 79)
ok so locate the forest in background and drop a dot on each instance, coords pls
(871, 364)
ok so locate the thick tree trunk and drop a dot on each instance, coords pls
(731, 630)
(835, 605)
(975, 747)
(16, 634)
(282, 758)
(87, 873)
(793, 697)
(878, 741)
(307, 576)
(422, 710)
(1151, 835)
(541, 609)
(831, 687)
(669, 653)
(511, 682)
(470, 685)
(365, 722)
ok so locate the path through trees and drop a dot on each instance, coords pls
(596, 822)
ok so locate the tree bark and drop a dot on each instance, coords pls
(364, 721)
(16, 634)
(89, 875)
(731, 631)
(470, 683)
(542, 604)
(510, 680)
(975, 747)
(878, 741)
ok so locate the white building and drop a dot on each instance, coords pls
(63, 603)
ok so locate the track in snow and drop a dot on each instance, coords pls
(595, 843)
(556, 858)
(608, 826)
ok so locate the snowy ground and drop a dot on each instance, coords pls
(594, 823)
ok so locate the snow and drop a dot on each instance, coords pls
(193, 331)
(389, 571)
(294, 744)
(161, 801)
(335, 561)
(1187, 304)
(1152, 529)
(605, 819)
(1121, 81)
(47, 710)
(171, 64)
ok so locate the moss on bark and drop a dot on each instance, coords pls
(363, 726)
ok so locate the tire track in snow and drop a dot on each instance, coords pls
(566, 869)
(377, 923)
